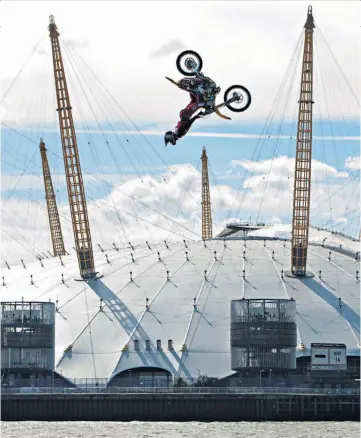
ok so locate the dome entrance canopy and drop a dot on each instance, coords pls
(142, 377)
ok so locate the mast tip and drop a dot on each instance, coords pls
(309, 25)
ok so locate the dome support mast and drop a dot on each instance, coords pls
(206, 199)
(74, 179)
(54, 221)
(302, 177)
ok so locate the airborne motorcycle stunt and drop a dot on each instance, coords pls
(203, 92)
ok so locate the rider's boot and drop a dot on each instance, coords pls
(170, 137)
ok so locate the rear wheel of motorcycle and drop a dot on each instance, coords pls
(245, 98)
(181, 62)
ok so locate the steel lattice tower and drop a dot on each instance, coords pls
(74, 179)
(302, 178)
(54, 220)
(206, 199)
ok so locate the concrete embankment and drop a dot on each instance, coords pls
(180, 407)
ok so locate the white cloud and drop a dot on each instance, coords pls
(171, 46)
(341, 220)
(353, 163)
(81, 44)
(214, 134)
(21, 182)
(32, 181)
(169, 208)
(267, 189)
(284, 167)
(8, 111)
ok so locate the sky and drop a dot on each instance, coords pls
(116, 56)
(241, 42)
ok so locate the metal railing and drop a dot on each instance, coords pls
(181, 390)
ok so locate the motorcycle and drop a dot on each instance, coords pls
(236, 98)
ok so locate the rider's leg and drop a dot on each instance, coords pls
(186, 116)
(186, 119)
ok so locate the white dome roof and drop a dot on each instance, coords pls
(98, 336)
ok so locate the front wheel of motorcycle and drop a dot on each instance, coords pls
(188, 62)
(239, 97)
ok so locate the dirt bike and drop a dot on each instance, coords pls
(236, 98)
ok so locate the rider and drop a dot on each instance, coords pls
(202, 91)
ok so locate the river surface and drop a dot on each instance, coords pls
(135, 429)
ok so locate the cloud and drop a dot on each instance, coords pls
(231, 135)
(342, 220)
(284, 167)
(171, 46)
(35, 181)
(8, 111)
(136, 80)
(168, 207)
(76, 44)
(21, 182)
(215, 134)
(113, 218)
(267, 189)
(353, 163)
(42, 51)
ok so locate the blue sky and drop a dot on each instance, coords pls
(226, 178)
(145, 159)
(221, 151)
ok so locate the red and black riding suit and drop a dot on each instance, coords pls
(198, 91)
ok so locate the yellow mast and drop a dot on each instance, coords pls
(54, 220)
(206, 199)
(74, 179)
(302, 180)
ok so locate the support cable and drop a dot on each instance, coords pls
(92, 88)
(22, 68)
(263, 136)
(126, 115)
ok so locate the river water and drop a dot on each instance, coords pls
(35, 429)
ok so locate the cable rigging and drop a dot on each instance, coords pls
(265, 133)
(92, 90)
(102, 132)
(105, 182)
(126, 115)
(34, 49)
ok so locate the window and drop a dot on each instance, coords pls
(159, 344)
(147, 344)
(136, 344)
(170, 344)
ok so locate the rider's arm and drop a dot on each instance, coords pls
(190, 84)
